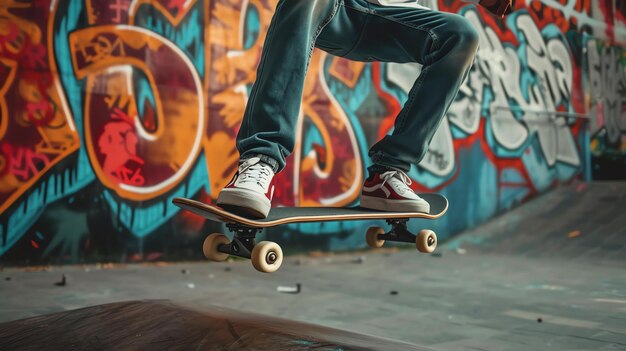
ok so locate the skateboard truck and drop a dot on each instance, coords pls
(243, 242)
(266, 256)
(425, 240)
(398, 232)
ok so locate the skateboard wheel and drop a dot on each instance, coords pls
(426, 241)
(267, 256)
(211, 245)
(372, 237)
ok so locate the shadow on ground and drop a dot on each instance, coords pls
(152, 325)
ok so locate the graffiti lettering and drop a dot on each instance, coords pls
(607, 89)
(24, 163)
(511, 84)
(37, 130)
(159, 88)
(160, 138)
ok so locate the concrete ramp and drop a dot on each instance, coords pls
(161, 325)
(578, 221)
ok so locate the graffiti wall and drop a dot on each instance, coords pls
(605, 73)
(110, 109)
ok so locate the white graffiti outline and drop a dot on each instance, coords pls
(535, 76)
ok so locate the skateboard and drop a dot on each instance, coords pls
(267, 256)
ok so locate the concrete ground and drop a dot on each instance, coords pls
(452, 302)
(467, 297)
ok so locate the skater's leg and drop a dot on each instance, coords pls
(267, 133)
(445, 44)
(271, 115)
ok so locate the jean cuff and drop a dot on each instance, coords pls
(380, 161)
(264, 158)
(376, 168)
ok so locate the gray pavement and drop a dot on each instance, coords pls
(452, 302)
(497, 287)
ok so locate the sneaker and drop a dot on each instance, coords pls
(250, 191)
(390, 191)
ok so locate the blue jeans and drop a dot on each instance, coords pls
(444, 43)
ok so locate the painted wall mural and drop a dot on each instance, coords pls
(605, 73)
(109, 109)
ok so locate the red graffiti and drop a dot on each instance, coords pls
(119, 7)
(129, 176)
(118, 146)
(35, 56)
(16, 44)
(606, 6)
(5, 162)
(40, 113)
(24, 162)
(10, 39)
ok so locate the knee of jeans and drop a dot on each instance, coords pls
(464, 34)
(468, 35)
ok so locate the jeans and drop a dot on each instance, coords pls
(444, 43)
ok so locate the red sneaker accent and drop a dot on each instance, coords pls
(250, 191)
(390, 191)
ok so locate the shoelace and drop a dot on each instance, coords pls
(400, 176)
(253, 171)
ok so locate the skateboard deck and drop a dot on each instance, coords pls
(267, 256)
(285, 215)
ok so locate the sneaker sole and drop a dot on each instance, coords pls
(244, 202)
(376, 203)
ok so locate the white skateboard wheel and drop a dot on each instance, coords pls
(371, 236)
(426, 241)
(267, 256)
(211, 245)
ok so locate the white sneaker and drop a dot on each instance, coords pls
(251, 190)
(390, 191)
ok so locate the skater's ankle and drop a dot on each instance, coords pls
(378, 169)
(269, 160)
